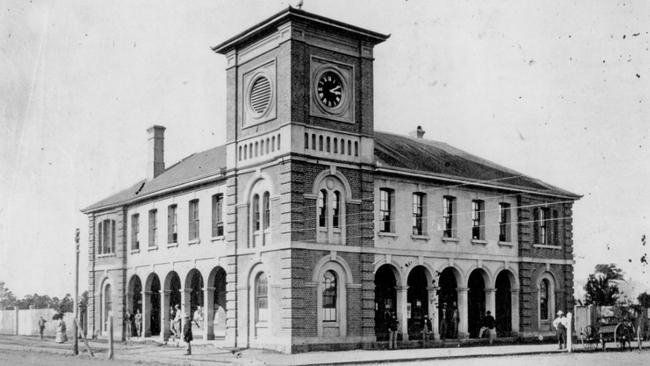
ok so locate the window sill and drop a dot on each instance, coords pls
(172, 245)
(543, 246)
(106, 255)
(262, 324)
(450, 240)
(420, 237)
(152, 248)
(479, 242)
(218, 238)
(135, 251)
(505, 243)
(385, 234)
(330, 324)
(194, 241)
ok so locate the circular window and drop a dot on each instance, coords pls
(260, 95)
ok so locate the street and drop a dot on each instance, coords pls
(614, 358)
(20, 358)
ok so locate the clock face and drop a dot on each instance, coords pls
(330, 89)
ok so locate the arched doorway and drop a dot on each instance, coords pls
(417, 301)
(447, 303)
(134, 300)
(135, 295)
(152, 306)
(503, 304)
(475, 302)
(385, 299)
(172, 288)
(194, 283)
(194, 301)
(107, 307)
(216, 308)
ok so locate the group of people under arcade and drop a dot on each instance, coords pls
(180, 325)
(448, 326)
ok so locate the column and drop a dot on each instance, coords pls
(401, 311)
(433, 310)
(186, 306)
(514, 310)
(462, 312)
(208, 313)
(490, 301)
(146, 314)
(164, 315)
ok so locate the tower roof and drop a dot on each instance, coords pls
(292, 14)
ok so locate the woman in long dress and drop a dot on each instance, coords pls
(61, 335)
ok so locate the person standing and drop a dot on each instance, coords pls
(427, 330)
(178, 318)
(61, 336)
(488, 323)
(560, 329)
(138, 323)
(41, 326)
(187, 332)
(443, 321)
(127, 325)
(454, 321)
(393, 325)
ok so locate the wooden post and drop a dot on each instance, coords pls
(83, 336)
(110, 337)
(75, 343)
(569, 331)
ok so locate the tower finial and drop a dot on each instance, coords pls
(299, 4)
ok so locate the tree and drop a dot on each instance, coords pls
(7, 298)
(644, 299)
(601, 287)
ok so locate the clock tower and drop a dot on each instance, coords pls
(300, 149)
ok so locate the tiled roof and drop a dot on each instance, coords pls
(444, 161)
(192, 168)
(395, 152)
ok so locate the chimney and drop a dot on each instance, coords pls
(156, 161)
(419, 132)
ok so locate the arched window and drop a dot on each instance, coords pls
(330, 211)
(108, 306)
(320, 142)
(335, 145)
(322, 208)
(342, 146)
(306, 141)
(544, 299)
(327, 144)
(273, 143)
(313, 141)
(335, 209)
(256, 213)
(261, 298)
(266, 207)
(262, 147)
(329, 296)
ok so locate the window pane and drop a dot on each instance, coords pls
(385, 210)
(256, 212)
(266, 206)
(448, 216)
(335, 209)
(417, 213)
(329, 296)
(322, 208)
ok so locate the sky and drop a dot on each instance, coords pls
(558, 90)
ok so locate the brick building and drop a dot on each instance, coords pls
(307, 227)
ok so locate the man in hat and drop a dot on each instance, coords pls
(560, 329)
(187, 333)
(488, 323)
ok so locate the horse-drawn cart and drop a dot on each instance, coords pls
(618, 324)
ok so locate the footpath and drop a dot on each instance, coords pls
(152, 353)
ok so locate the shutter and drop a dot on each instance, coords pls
(535, 225)
(260, 95)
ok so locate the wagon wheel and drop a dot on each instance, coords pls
(589, 337)
(623, 334)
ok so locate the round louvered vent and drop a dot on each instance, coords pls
(260, 95)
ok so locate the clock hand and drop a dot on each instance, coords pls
(337, 88)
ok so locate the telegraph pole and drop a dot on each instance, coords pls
(75, 344)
